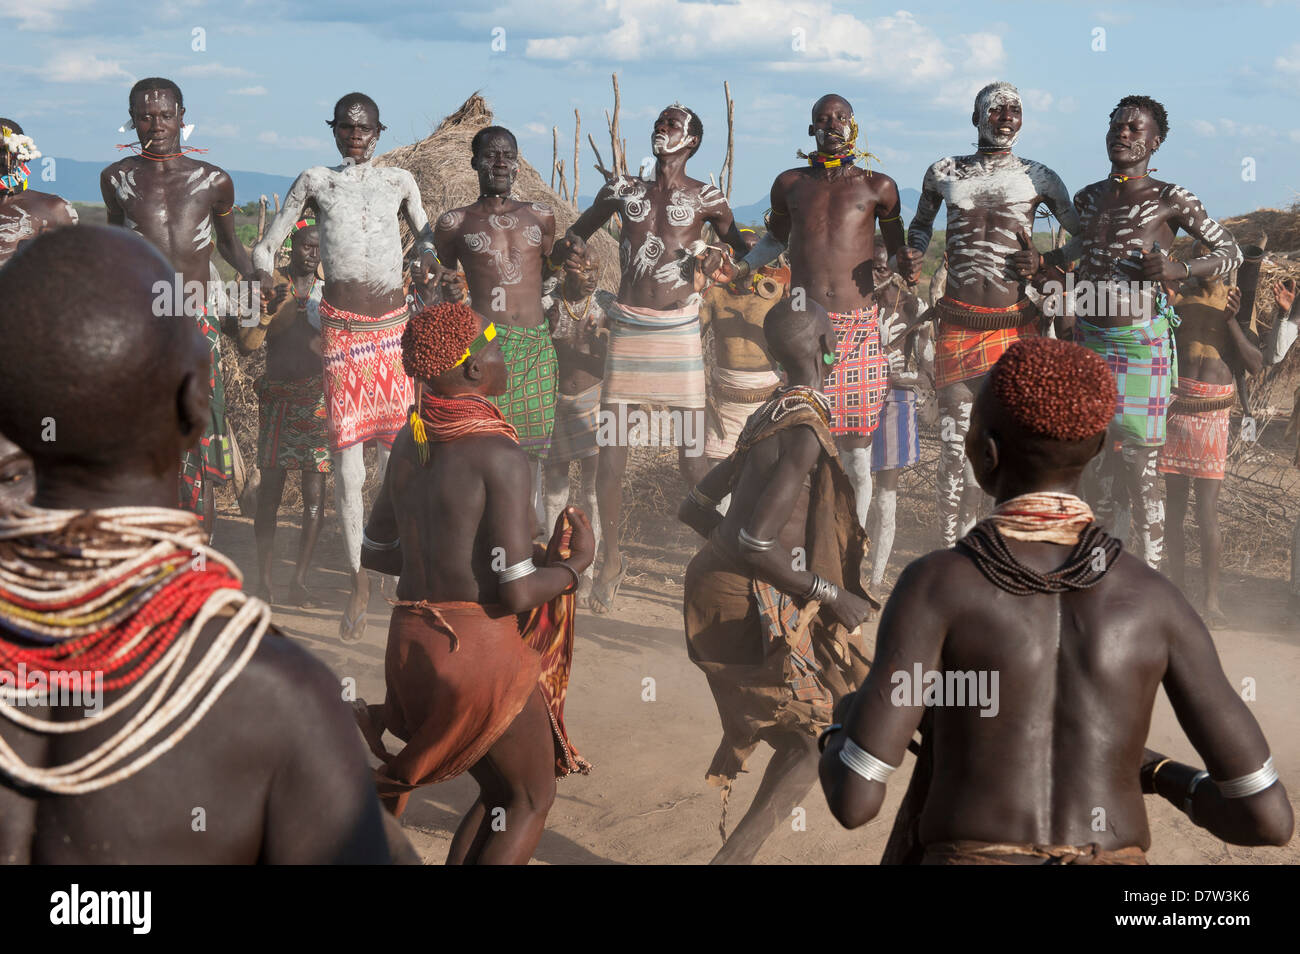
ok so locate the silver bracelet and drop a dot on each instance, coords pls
(1247, 785)
(862, 762)
(701, 500)
(822, 590)
(517, 572)
(1197, 779)
(577, 580)
(372, 545)
(754, 544)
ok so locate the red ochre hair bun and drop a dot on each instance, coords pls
(434, 339)
(1055, 389)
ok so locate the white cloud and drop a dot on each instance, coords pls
(813, 37)
(1203, 128)
(1232, 129)
(71, 67)
(216, 130)
(1289, 62)
(272, 138)
(249, 91)
(535, 129)
(41, 16)
(204, 70)
(1038, 100)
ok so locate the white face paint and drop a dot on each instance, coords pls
(666, 144)
(995, 99)
(357, 113)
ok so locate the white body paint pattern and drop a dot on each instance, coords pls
(14, 231)
(359, 205)
(203, 234)
(1005, 194)
(206, 183)
(1104, 247)
(123, 184)
(510, 262)
(533, 235)
(683, 207)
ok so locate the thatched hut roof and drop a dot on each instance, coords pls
(440, 164)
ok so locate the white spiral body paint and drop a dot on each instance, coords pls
(533, 235)
(647, 256)
(360, 207)
(989, 200)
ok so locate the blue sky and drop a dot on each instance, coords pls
(263, 84)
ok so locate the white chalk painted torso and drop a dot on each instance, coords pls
(1116, 228)
(658, 225)
(359, 224)
(989, 201)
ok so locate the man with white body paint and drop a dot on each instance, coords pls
(655, 355)
(363, 310)
(24, 213)
(1126, 221)
(991, 198)
(502, 243)
(181, 204)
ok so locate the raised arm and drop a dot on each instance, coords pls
(911, 633)
(280, 227)
(1224, 734)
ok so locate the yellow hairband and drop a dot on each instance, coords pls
(487, 335)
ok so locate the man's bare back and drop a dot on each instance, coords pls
(233, 792)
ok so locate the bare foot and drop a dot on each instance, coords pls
(352, 627)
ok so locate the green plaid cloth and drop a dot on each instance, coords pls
(529, 401)
(1144, 360)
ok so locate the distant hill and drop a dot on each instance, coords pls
(78, 181)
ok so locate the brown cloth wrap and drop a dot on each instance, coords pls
(990, 853)
(724, 635)
(458, 674)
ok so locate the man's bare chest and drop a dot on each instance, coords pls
(998, 189)
(516, 229)
(661, 209)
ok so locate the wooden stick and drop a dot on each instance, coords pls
(555, 153)
(577, 146)
(277, 202)
(600, 163)
(730, 158)
(261, 218)
(620, 161)
(564, 188)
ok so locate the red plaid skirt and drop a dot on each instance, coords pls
(860, 380)
(964, 349)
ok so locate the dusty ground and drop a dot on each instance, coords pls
(647, 801)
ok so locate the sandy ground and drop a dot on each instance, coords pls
(647, 801)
